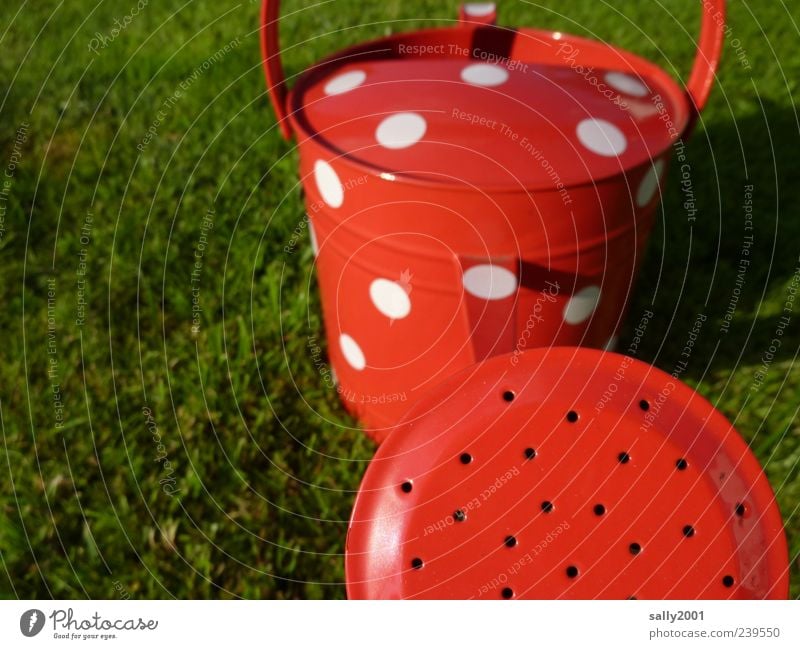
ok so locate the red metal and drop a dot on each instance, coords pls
(578, 474)
(473, 191)
(701, 79)
(273, 66)
(706, 62)
(480, 13)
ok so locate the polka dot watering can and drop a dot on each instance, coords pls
(475, 190)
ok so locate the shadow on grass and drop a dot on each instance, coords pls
(720, 265)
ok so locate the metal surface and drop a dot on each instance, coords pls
(698, 88)
(477, 189)
(565, 473)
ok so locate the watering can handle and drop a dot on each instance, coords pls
(706, 61)
(698, 88)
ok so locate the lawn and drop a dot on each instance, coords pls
(166, 431)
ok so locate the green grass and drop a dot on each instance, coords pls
(265, 460)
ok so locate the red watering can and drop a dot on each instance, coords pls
(476, 190)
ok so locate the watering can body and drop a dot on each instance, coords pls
(477, 190)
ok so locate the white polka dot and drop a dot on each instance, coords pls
(352, 352)
(581, 305)
(476, 9)
(611, 344)
(345, 82)
(627, 84)
(390, 299)
(328, 184)
(602, 137)
(484, 74)
(490, 282)
(401, 131)
(313, 236)
(649, 185)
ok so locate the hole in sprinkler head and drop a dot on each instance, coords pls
(547, 506)
(681, 464)
(510, 542)
(623, 458)
(459, 516)
(644, 404)
(740, 509)
(407, 487)
(530, 453)
(599, 509)
(572, 416)
(635, 548)
(728, 581)
(507, 593)
(572, 572)
(688, 531)
(465, 458)
(508, 396)
(417, 563)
